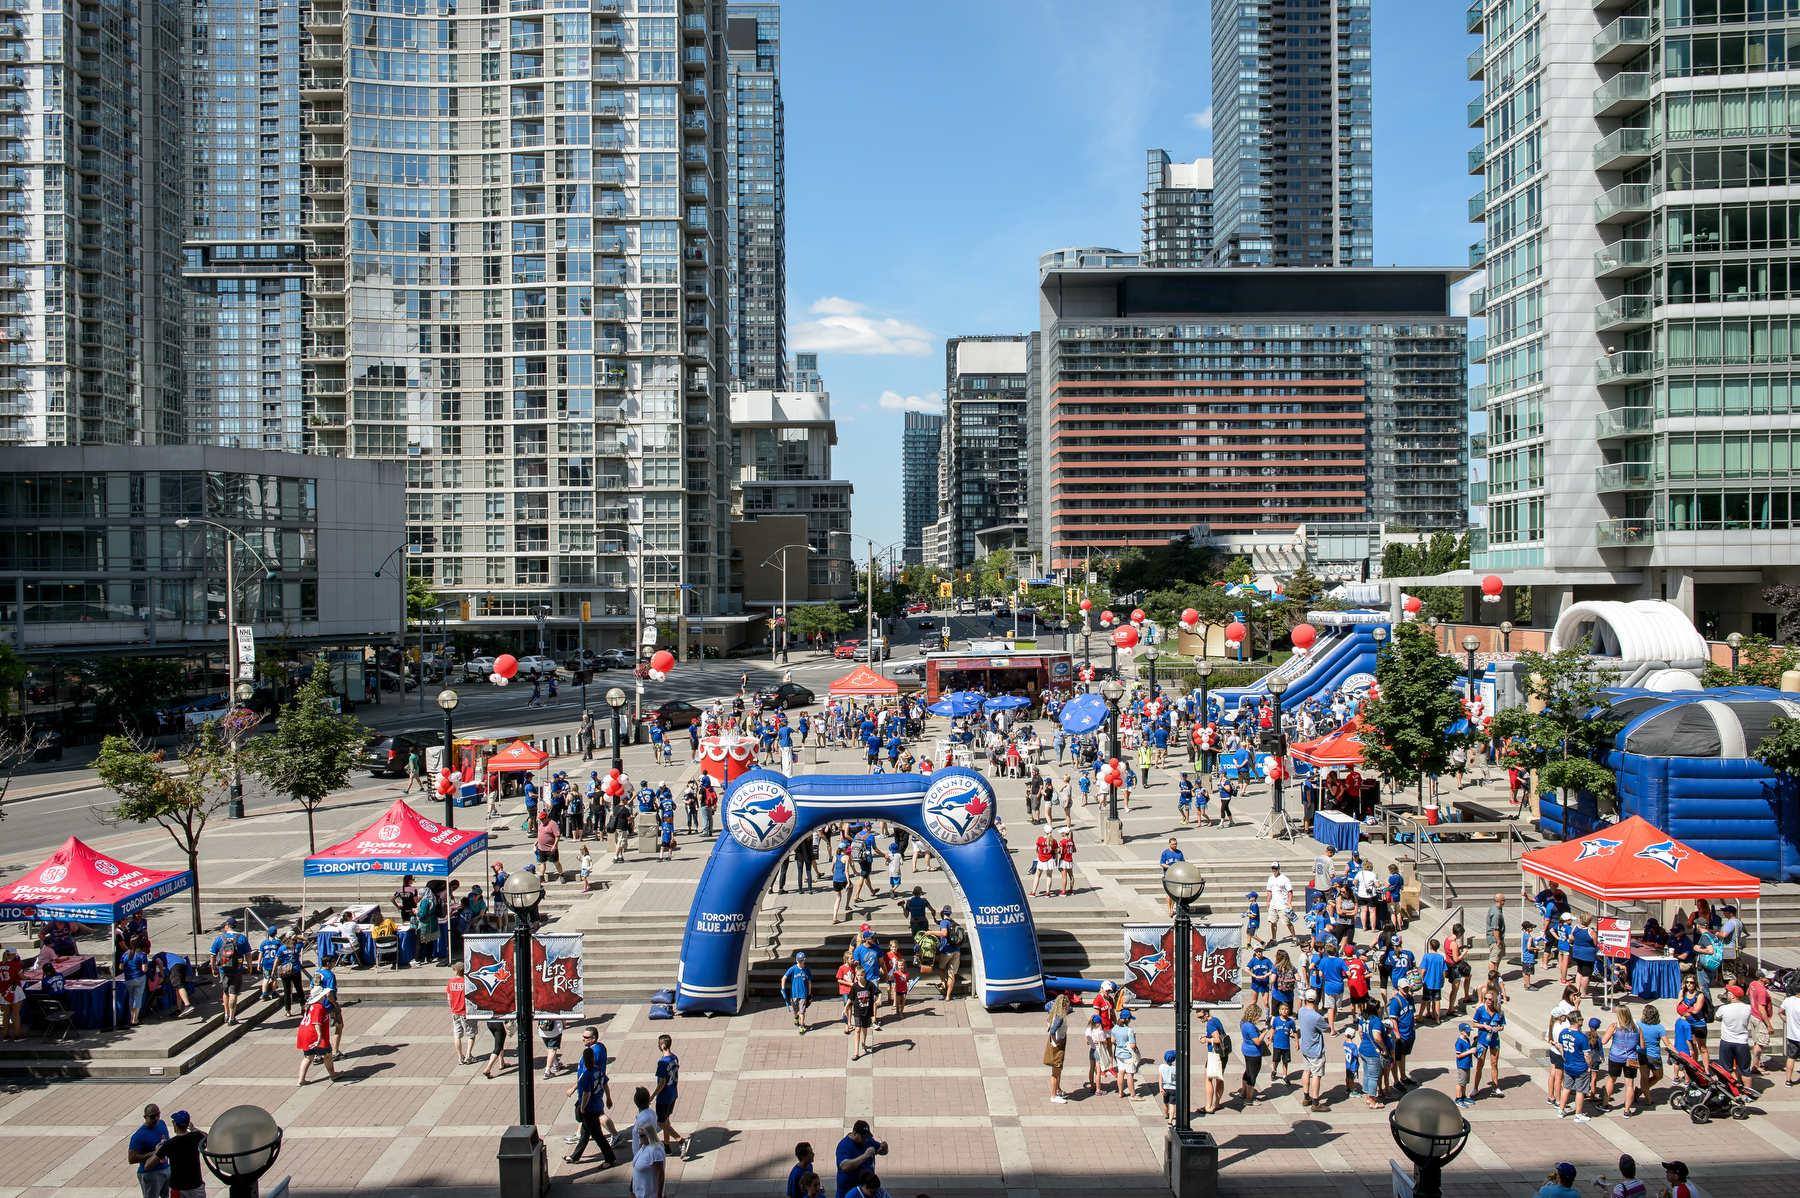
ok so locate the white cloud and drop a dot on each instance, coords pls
(934, 402)
(843, 326)
(1202, 119)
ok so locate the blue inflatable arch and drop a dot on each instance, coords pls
(765, 813)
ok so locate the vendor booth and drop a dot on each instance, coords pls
(864, 683)
(469, 757)
(1632, 862)
(1001, 672)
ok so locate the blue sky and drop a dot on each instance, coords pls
(935, 149)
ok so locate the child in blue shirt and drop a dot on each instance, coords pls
(1252, 918)
(1261, 971)
(1281, 1043)
(1530, 947)
(1184, 797)
(1465, 1061)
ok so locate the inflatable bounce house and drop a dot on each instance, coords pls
(1683, 758)
(1343, 658)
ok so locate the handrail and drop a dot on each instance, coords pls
(1420, 840)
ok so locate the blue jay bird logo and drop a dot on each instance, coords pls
(1150, 967)
(1663, 853)
(1598, 848)
(958, 809)
(488, 976)
(760, 814)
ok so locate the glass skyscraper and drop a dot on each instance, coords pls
(1178, 223)
(246, 264)
(514, 218)
(1293, 133)
(93, 209)
(919, 478)
(757, 196)
(1642, 252)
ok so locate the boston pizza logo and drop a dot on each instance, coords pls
(428, 827)
(105, 868)
(759, 814)
(52, 874)
(389, 832)
(958, 809)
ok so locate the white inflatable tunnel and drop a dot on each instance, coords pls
(1643, 631)
(1670, 681)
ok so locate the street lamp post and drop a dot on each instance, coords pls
(1470, 644)
(1432, 623)
(401, 550)
(235, 810)
(1203, 669)
(446, 701)
(524, 891)
(1187, 1151)
(1429, 1129)
(615, 701)
(778, 636)
(1506, 627)
(1087, 653)
(241, 1145)
(1380, 633)
(233, 539)
(1736, 641)
(1150, 657)
(1277, 687)
(1113, 691)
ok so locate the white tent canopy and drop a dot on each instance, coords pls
(1635, 633)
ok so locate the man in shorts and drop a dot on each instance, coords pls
(456, 994)
(1496, 930)
(951, 939)
(231, 961)
(668, 1083)
(1311, 1026)
(1281, 900)
(796, 990)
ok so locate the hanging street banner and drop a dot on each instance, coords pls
(246, 653)
(1150, 963)
(556, 984)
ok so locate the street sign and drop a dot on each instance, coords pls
(649, 637)
(649, 612)
(246, 653)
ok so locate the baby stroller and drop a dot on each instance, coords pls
(1707, 1090)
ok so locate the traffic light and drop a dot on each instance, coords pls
(462, 610)
(946, 590)
(587, 611)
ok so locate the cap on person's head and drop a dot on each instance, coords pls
(1566, 1172)
(1678, 1168)
(860, 1127)
(799, 956)
(179, 1118)
(1249, 894)
(1125, 1015)
(1735, 990)
(1406, 984)
(1094, 1020)
(1568, 917)
(1169, 1057)
(1462, 1027)
(1274, 865)
(1592, 1024)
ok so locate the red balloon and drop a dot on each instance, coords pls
(1303, 636)
(506, 665)
(1412, 605)
(1234, 633)
(1190, 616)
(1106, 617)
(1125, 637)
(1491, 585)
(1137, 615)
(1087, 605)
(662, 661)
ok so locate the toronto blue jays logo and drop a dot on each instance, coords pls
(759, 814)
(1598, 848)
(486, 976)
(1150, 967)
(1357, 685)
(1663, 853)
(958, 808)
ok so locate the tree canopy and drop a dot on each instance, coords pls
(180, 798)
(1566, 727)
(311, 750)
(1408, 723)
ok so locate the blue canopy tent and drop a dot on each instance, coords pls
(956, 704)
(1006, 703)
(1083, 714)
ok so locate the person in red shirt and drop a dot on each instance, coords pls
(1046, 862)
(1065, 851)
(846, 982)
(456, 993)
(1356, 977)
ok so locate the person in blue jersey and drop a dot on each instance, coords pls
(1402, 1020)
(1489, 1018)
(1578, 1079)
(796, 990)
(1371, 1048)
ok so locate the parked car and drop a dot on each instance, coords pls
(476, 669)
(924, 625)
(585, 660)
(385, 756)
(174, 717)
(907, 669)
(875, 650)
(917, 609)
(675, 714)
(785, 696)
(846, 650)
(618, 659)
(535, 666)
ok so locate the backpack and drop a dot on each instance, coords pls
(228, 954)
(925, 944)
(956, 936)
(1224, 1045)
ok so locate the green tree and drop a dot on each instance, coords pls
(1761, 662)
(1408, 726)
(1566, 726)
(1780, 748)
(130, 689)
(1182, 560)
(816, 619)
(310, 752)
(994, 574)
(421, 596)
(179, 798)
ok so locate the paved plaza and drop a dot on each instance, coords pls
(959, 1092)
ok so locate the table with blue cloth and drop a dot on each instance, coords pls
(328, 941)
(1654, 976)
(70, 968)
(1335, 830)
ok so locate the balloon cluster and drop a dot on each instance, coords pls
(1107, 619)
(1235, 633)
(506, 666)
(1087, 605)
(1125, 637)
(614, 785)
(661, 663)
(1112, 774)
(1190, 620)
(1303, 636)
(1412, 605)
(1491, 586)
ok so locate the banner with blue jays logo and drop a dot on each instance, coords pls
(766, 812)
(1150, 963)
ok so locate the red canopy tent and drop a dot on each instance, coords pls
(517, 757)
(1634, 859)
(401, 841)
(1334, 750)
(81, 884)
(866, 682)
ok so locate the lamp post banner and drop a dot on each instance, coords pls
(556, 982)
(1150, 963)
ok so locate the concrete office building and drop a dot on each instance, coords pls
(245, 255)
(93, 209)
(781, 466)
(515, 218)
(91, 559)
(1642, 251)
(756, 180)
(919, 444)
(1293, 133)
(1178, 225)
(984, 486)
(1230, 403)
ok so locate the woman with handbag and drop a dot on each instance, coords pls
(313, 1037)
(1056, 1044)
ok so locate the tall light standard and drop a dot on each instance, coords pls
(778, 641)
(241, 1145)
(1150, 657)
(1429, 1129)
(1203, 669)
(235, 809)
(232, 664)
(446, 701)
(400, 551)
(1470, 644)
(1506, 627)
(615, 701)
(524, 891)
(1183, 883)
(1380, 633)
(873, 554)
(1277, 687)
(1113, 691)
(1736, 641)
